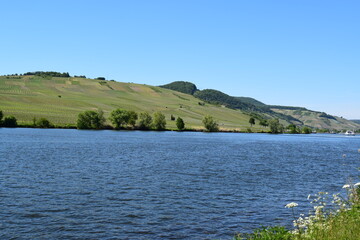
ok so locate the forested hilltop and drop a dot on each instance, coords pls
(61, 97)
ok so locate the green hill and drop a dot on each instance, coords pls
(296, 115)
(61, 99)
(180, 86)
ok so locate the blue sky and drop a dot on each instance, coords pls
(300, 53)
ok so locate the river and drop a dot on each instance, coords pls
(72, 184)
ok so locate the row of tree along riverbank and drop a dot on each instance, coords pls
(131, 120)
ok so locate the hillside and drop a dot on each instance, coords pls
(61, 99)
(296, 115)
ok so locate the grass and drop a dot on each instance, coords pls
(60, 100)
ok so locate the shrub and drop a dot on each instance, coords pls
(90, 120)
(43, 123)
(10, 121)
(145, 120)
(275, 126)
(120, 117)
(159, 121)
(1, 117)
(180, 123)
(210, 124)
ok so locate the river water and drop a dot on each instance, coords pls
(71, 184)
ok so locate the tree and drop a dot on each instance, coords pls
(1, 117)
(263, 122)
(43, 123)
(133, 116)
(10, 121)
(252, 121)
(275, 126)
(293, 129)
(306, 130)
(210, 124)
(120, 117)
(90, 120)
(159, 121)
(180, 123)
(145, 120)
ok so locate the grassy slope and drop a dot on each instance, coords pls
(312, 119)
(27, 97)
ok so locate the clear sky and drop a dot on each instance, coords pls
(300, 53)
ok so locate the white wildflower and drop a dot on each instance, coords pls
(291, 205)
(346, 186)
(357, 184)
(309, 196)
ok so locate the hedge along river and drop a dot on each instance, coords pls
(72, 184)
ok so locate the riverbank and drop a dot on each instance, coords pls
(341, 221)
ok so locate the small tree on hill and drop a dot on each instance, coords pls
(180, 123)
(159, 121)
(210, 124)
(145, 120)
(90, 120)
(252, 121)
(10, 121)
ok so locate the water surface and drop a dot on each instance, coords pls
(71, 184)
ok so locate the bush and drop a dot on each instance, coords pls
(121, 117)
(180, 123)
(306, 130)
(210, 124)
(90, 120)
(10, 121)
(159, 121)
(275, 126)
(43, 123)
(1, 117)
(145, 120)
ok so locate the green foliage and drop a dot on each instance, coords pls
(100, 78)
(210, 124)
(1, 117)
(325, 115)
(306, 130)
(159, 121)
(43, 123)
(268, 233)
(217, 97)
(293, 129)
(252, 121)
(145, 120)
(121, 117)
(48, 74)
(10, 121)
(180, 86)
(133, 116)
(263, 122)
(275, 126)
(180, 124)
(172, 118)
(90, 120)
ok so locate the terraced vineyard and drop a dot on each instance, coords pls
(62, 99)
